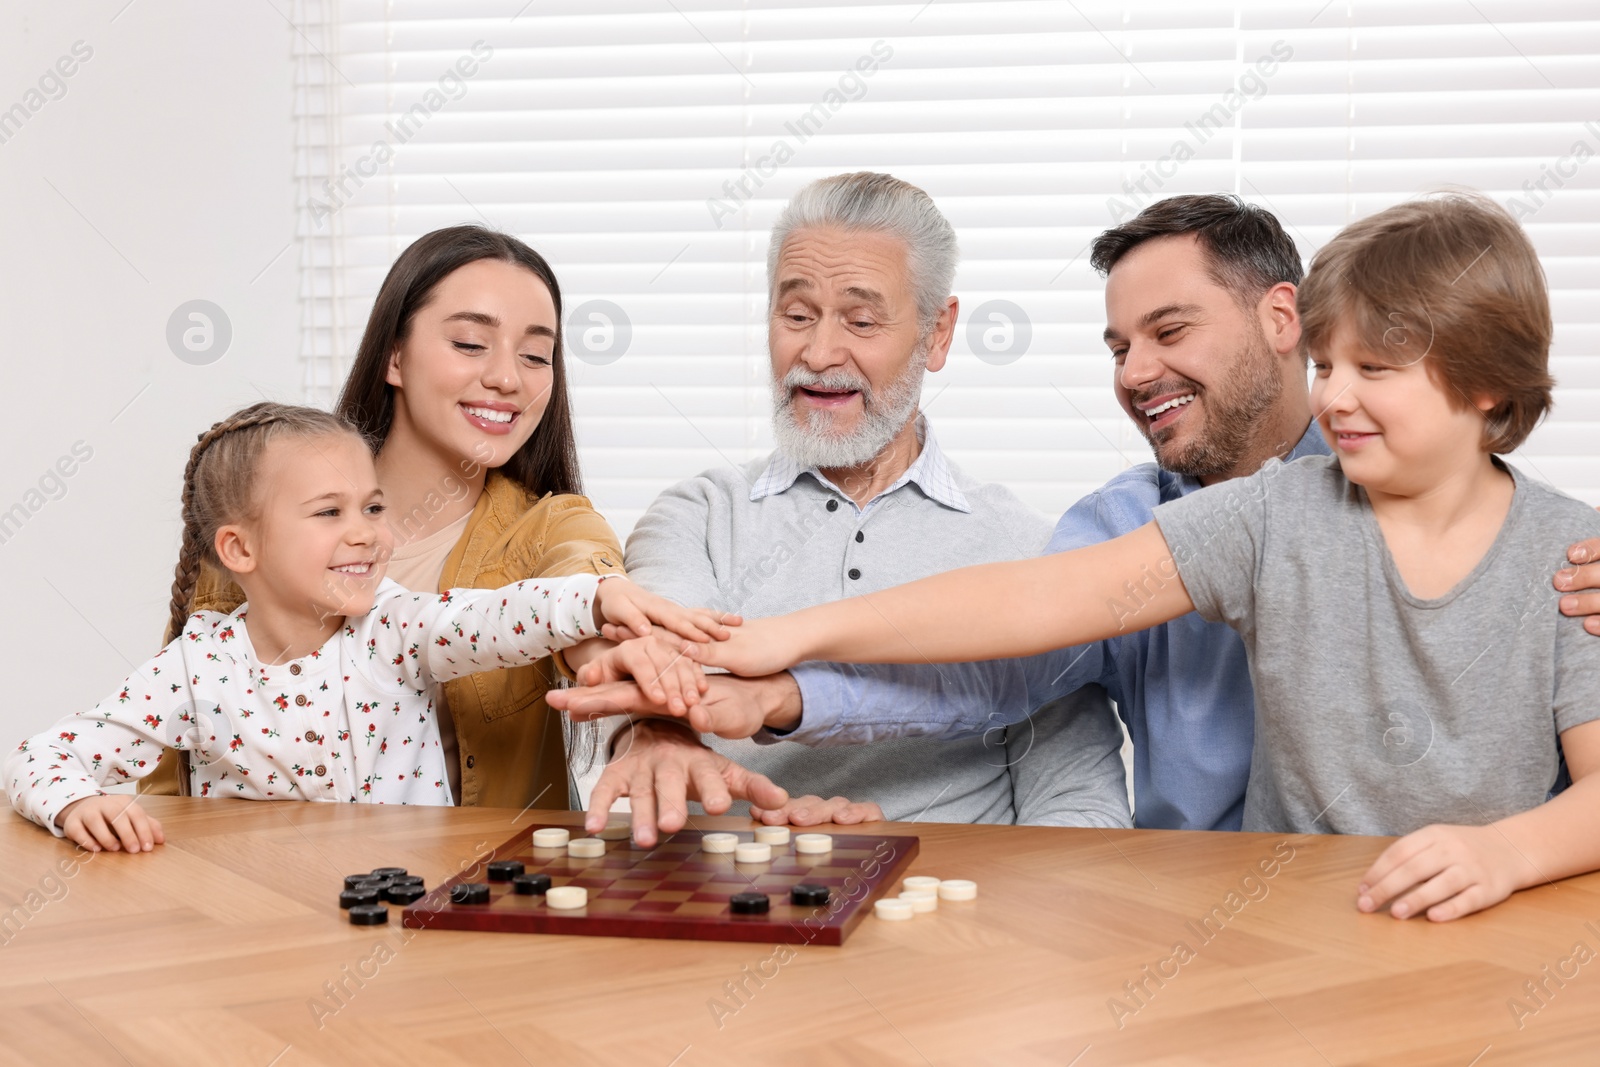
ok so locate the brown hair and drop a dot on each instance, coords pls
(1246, 248)
(219, 484)
(548, 461)
(1451, 277)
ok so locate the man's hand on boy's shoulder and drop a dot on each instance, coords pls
(1581, 583)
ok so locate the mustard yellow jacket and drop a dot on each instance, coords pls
(509, 741)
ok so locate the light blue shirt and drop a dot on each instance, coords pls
(1182, 688)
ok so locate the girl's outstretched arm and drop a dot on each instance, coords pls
(994, 611)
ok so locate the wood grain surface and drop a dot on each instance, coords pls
(1085, 947)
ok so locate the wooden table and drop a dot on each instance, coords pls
(227, 946)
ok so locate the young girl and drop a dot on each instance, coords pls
(1412, 674)
(323, 685)
(461, 382)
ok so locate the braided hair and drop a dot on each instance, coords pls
(219, 484)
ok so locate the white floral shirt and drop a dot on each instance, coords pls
(353, 721)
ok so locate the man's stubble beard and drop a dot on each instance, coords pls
(1234, 408)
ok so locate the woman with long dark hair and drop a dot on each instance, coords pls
(460, 380)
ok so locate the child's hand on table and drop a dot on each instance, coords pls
(622, 611)
(111, 823)
(657, 664)
(1443, 871)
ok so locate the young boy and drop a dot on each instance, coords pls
(1410, 667)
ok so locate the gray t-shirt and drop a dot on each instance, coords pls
(1378, 712)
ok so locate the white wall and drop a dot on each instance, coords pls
(172, 151)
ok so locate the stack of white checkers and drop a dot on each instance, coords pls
(920, 893)
(760, 850)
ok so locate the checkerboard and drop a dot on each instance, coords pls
(677, 890)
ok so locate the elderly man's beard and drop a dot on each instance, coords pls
(815, 443)
(1233, 410)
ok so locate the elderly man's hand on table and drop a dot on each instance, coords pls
(814, 811)
(660, 766)
(1581, 583)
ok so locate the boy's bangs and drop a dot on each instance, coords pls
(1397, 335)
(1453, 277)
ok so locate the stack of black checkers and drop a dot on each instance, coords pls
(749, 904)
(470, 893)
(365, 895)
(530, 885)
(504, 870)
(807, 895)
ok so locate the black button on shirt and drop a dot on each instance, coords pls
(833, 505)
(860, 537)
(854, 574)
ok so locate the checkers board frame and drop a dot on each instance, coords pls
(629, 894)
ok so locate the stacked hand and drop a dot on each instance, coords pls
(623, 610)
(760, 648)
(658, 658)
(658, 666)
(718, 704)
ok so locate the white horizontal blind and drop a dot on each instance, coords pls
(645, 146)
(326, 343)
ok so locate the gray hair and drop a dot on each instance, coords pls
(879, 203)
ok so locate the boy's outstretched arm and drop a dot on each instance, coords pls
(1451, 871)
(993, 611)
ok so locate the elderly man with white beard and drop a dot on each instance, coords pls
(858, 497)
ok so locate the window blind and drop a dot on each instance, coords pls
(645, 147)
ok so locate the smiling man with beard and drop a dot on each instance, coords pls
(1204, 337)
(1203, 334)
(858, 497)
